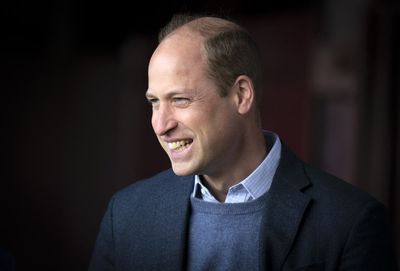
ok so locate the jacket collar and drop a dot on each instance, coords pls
(285, 209)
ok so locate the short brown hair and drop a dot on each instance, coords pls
(230, 50)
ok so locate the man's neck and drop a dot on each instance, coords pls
(218, 184)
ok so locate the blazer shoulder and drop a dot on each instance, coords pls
(318, 184)
(163, 183)
(146, 184)
(340, 191)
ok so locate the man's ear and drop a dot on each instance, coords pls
(244, 94)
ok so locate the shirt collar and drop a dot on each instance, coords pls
(254, 185)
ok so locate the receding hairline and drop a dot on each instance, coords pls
(207, 26)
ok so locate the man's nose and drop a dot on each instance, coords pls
(163, 120)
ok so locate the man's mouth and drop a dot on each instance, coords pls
(179, 145)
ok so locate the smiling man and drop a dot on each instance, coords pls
(236, 198)
(202, 131)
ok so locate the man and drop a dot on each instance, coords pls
(236, 197)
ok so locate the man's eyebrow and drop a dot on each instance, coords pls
(172, 93)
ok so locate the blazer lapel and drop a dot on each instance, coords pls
(173, 216)
(286, 205)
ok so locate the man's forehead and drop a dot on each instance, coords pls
(181, 55)
(169, 93)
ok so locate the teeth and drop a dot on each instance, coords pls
(178, 145)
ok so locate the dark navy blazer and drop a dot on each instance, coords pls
(313, 221)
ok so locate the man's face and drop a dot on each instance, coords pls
(195, 126)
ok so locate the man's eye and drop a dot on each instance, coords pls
(153, 102)
(178, 101)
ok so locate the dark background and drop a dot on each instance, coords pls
(76, 127)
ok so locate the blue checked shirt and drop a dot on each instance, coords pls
(254, 185)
